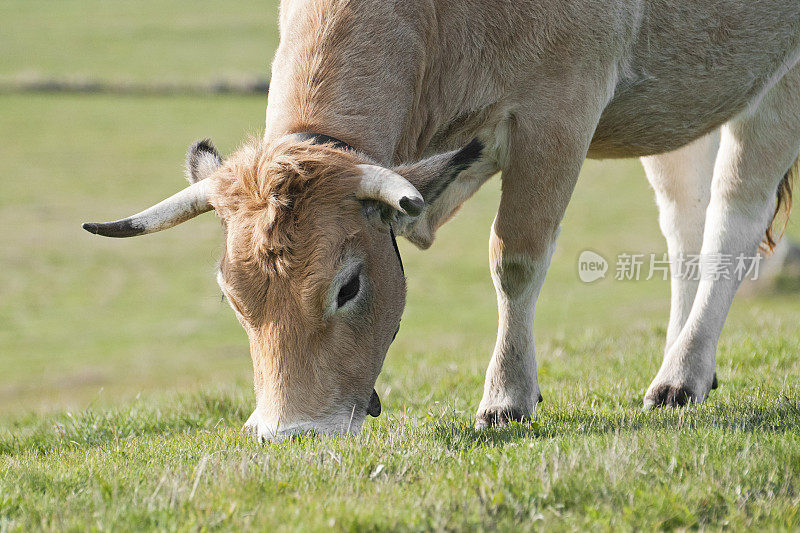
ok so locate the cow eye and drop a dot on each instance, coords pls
(349, 290)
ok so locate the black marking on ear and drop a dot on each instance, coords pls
(412, 206)
(121, 228)
(200, 159)
(459, 162)
(374, 408)
(468, 155)
(541, 398)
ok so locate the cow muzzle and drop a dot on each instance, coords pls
(343, 422)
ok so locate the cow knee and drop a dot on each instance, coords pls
(513, 275)
(517, 272)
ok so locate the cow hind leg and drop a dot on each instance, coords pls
(682, 183)
(756, 151)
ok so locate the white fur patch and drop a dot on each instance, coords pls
(269, 430)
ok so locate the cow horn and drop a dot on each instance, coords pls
(389, 187)
(180, 207)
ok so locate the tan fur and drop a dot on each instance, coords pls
(289, 212)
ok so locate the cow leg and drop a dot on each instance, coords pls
(544, 160)
(756, 150)
(682, 183)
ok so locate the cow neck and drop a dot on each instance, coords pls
(321, 138)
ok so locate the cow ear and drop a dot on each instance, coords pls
(202, 160)
(432, 176)
(445, 181)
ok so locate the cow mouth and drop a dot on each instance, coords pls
(374, 408)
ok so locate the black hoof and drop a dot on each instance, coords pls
(498, 417)
(668, 396)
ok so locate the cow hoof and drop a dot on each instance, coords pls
(669, 395)
(499, 417)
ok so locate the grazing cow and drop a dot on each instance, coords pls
(385, 116)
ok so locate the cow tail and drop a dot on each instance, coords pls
(783, 204)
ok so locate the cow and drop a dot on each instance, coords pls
(384, 117)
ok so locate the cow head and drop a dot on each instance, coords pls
(309, 265)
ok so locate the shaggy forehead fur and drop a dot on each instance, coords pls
(287, 207)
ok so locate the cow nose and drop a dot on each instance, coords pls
(374, 408)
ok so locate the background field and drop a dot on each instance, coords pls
(124, 378)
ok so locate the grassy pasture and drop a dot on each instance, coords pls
(124, 378)
(136, 41)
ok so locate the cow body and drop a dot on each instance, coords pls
(544, 84)
(412, 79)
(708, 91)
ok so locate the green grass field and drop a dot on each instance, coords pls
(136, 41)
(124, 379)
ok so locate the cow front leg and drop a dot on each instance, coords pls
(511, 391)
(537, 182)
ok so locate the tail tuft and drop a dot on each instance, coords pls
(784, 203)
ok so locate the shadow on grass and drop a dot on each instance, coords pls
(780, 415)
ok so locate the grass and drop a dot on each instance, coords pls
(124, 379)
(589, 462)
(145, 40)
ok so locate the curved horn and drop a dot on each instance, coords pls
(180, 207)
(389, 187)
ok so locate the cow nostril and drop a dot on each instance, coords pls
(374, 408)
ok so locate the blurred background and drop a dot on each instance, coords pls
(99, 100)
